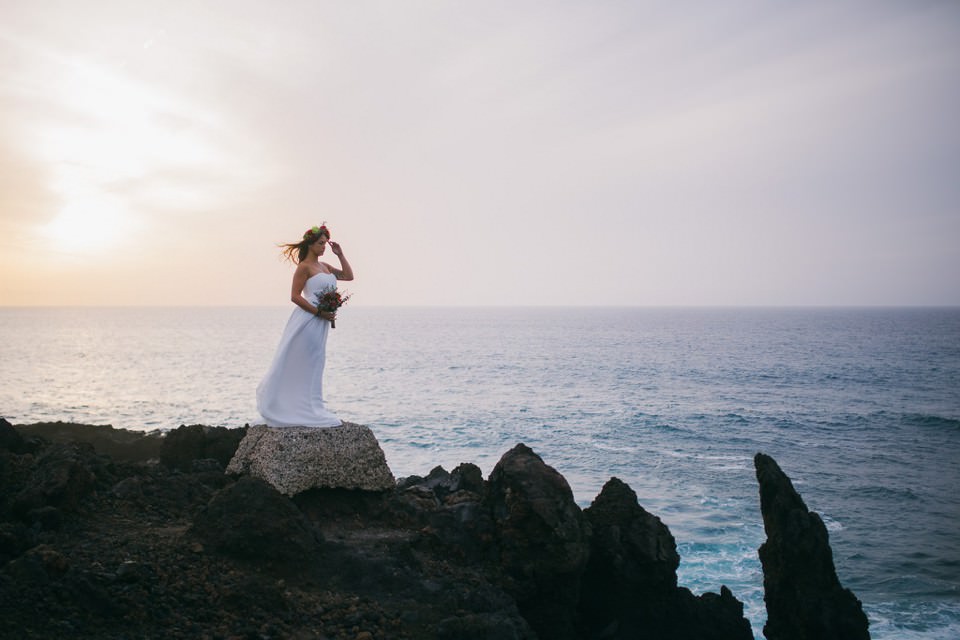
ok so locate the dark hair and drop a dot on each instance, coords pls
(300, 249)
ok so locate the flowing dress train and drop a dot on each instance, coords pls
(291, 394)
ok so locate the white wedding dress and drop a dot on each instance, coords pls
(291, 394)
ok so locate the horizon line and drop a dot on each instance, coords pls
(504, 306)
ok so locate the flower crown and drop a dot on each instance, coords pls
(314, 232)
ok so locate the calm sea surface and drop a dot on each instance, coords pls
(861, 408)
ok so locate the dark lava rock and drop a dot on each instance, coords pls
(804, 597)
(630, 584)
(186, 444)
(466, 477)
(122, 445)
(484, 626)
(131, 571)
(15, 538)
(628, 540)
(543, 540)
(10, 438)
(101, 547)
(251, 520)
(632, 554)
(48, 517)
(447, 510)
(62, 475)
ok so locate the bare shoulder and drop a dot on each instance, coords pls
(302, 271)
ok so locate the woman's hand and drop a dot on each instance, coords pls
(345, 272)
(327, 315)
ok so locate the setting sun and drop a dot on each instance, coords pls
(124, 151)
(87, 223)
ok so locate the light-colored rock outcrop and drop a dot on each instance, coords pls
(294, 459)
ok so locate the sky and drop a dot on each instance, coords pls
(482, 152)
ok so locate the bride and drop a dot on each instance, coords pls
(291, 394)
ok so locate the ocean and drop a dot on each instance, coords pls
(860, 407)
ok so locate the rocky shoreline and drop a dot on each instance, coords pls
(106, 533)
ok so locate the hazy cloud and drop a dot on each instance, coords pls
(499, 153)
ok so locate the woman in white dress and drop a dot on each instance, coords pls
(291, 394)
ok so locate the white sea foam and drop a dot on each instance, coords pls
(831, 524)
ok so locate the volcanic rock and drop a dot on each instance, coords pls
(630, 583)
(465, 477)
(63, 474)
(543, 540)
(804, 597)
(250, 519)
(294, 459)
(10, 438)
(96, 546)
(183, 448)
(120, 444)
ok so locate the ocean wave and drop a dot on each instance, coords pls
(885, 493)
(705, 566)
(736, 417)
(613, 448)
(931, 421)
(831, 524)
(897, 620)
(663, 427)
(739, 466)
